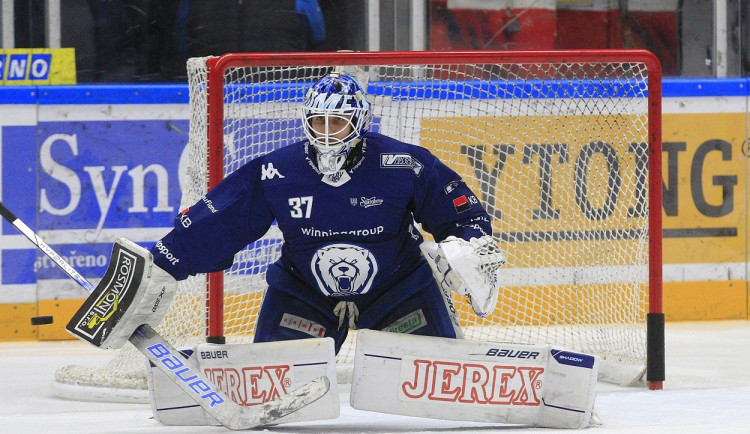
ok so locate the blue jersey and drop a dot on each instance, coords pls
(345, 235)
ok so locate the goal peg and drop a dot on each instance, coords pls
(41, 320)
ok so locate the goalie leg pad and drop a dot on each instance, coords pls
(133, 291)
(463, 380)
(251, 374)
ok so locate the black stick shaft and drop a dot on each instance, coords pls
(46, 249)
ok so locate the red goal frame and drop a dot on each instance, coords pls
(215, 94)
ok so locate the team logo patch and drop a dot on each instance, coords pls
(461, 204)
(452, 186)
(344, 269)
(337, 179)
(401, 161)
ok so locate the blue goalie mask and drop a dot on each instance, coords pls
(336, 115)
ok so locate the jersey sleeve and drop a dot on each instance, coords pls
(445, 205)
(207, 235)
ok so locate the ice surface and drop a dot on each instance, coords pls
(707, 391)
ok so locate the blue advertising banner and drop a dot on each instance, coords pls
(109, 174)
(79, 184)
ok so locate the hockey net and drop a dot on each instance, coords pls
(563, 148)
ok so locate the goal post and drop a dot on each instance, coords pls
(567, 74)
(563, 148)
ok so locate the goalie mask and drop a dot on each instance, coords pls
(336, 115)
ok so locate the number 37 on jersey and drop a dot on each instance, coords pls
(300, 207)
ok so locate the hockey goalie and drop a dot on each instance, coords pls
(349, 203)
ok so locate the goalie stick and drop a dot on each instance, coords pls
(186, 373)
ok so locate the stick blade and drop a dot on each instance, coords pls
(270, 411)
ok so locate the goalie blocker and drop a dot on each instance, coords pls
(133, 291)
(462, 380)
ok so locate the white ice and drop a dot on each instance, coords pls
(707, 390)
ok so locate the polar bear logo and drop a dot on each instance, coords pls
(344, 269)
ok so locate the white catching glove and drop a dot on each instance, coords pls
(470, 268)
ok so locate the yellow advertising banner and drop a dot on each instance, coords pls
(705, 205)
(37, 66)
(705, 189)
(565, 181)
(568, 194)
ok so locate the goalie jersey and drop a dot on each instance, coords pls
(345, 235)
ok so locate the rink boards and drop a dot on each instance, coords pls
(85, 164)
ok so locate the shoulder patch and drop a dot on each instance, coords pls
(449, 187)
(401, 161)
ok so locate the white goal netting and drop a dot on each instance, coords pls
(557, 150)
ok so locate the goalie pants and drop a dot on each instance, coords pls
(292, 309)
